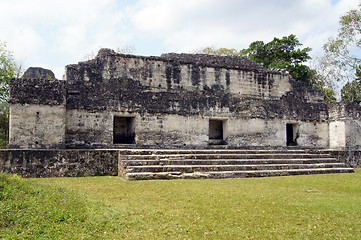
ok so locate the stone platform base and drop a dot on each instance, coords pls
(168, 164)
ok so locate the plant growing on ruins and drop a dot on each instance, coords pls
(219, 52)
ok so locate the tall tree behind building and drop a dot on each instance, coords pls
(345, 49)
(281, 54)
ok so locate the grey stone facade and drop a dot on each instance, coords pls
(176, 101)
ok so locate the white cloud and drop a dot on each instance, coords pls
(41, 31)
(236, 24)
(345, 5)
(59, 32)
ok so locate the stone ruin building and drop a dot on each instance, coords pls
(113, 114)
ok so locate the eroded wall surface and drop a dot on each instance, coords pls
(37, 113)
(37, 126)
(169, 101)
(345, 126)
(59, 162)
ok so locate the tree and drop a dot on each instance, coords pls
(321, 83)
(4, 125)
(344, 46)
(8, 70)
(220, 52)
(282, 54)
(344, 50)
(326, 77)
(351, 92)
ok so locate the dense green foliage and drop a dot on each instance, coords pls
(351, 92)
(282, 54)
(8, 70)
(328, 92)
(295, 207)
(340, 63)
(285, 55)
(4, 125)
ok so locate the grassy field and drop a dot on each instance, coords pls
(296, 207)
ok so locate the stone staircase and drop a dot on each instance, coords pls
(141, 164)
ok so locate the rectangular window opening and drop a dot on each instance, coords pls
(124, 130)
(291, 134)
(216, 132)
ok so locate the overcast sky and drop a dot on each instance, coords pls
(52, 34)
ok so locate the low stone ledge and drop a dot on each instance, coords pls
(59, 163)
(352, 158)
(96, 162)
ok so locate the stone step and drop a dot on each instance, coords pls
(235, 174)
(223, 168)
(213, 151)
(225, 163)
(227, 156)
(128, 163)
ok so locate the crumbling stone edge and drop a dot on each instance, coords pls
(352, 158)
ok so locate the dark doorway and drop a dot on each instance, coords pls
(216, 129)
(292, 134)
(216, 134)
(124, 130)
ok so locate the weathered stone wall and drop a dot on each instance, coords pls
(37, 113)
(351, 157)
(337, 133)
(313, 134)
(345, 126)
(37, 91)
(88, 129)
(246, 132)
(59, 163)
(171, 100)
(169, 129)
(109, 79)
(353, 134)
(95, 130)
(173, 97)
(344, 111)
(37, 126)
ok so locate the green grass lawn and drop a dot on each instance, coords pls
(295, 207)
